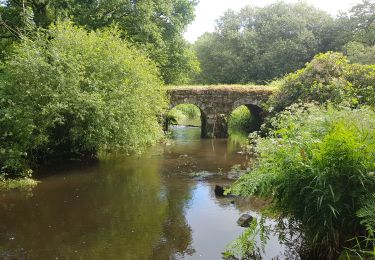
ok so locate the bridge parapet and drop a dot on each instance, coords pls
(217, 102)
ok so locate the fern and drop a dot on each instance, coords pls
(367, 214)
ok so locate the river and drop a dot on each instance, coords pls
(137, 207)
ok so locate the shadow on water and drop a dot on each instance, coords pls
(128, 207)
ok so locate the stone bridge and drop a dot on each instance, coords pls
(216, 103)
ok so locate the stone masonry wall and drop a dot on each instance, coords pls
(217, 103)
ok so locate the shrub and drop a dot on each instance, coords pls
(317, 167)
(73, 92)
(360, 53)
(362, 79)
(329, 77)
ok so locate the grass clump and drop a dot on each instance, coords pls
(20, 183)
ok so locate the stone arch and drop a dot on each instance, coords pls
(203, 118)
(247, 102)
(255, 109)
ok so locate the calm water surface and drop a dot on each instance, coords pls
(130, 207)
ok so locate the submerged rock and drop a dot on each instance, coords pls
(235, 174)
(202, 175)
(219, 191)
(245, 220)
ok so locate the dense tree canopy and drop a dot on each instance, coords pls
(154, 25)
(361, 46)
(260, 44)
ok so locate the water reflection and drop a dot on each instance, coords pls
(127, 208)
(93, 214)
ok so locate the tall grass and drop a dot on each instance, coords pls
(318, 167)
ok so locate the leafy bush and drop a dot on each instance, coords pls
(317, 167)
(362, 79)
(360, 53)
(329, 77)
(73, 92)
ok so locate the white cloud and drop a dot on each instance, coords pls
(208, 11)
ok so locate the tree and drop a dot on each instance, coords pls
(362, 17)
(259, 44)
(360, 53)
(154, 25)
(361, 48)
(15, 22)
(218, 60)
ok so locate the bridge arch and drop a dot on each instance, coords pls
(203, 118)
(254, 121)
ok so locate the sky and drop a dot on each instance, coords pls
(208, 11)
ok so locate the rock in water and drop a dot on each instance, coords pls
(202, 175)
(219, 190)
(245, 220)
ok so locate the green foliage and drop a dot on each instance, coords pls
(240, 120)
(186, 114)
(317, 166)
(219, 63)
(21, 183)
(364, 247)
(362, 21)
(321, 80)
(353, 33)
(327, 78)
(259, 44)
(15, 23)
(191, 111)
(244, 247)
(153, 25)
(70, 92)
(360, 53)
(362, 80)
(367, 214)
